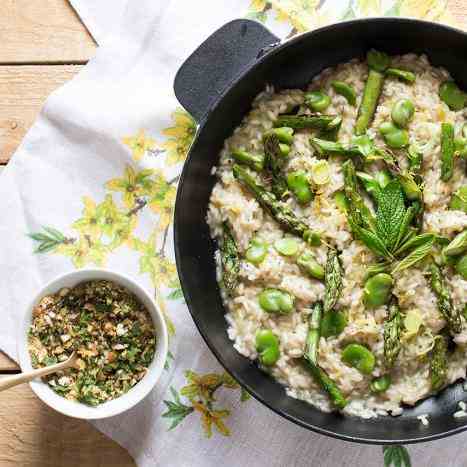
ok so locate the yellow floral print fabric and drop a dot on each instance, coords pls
(107, 225)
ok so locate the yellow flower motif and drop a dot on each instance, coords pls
(300, 14)
(211, 417)
(201, 386)
(163, 200)
(88, 224)
(180, 137)
(161, 270)
(84, 251)
(132, 185)
(426, 9)
(139, 144)
(123, 232)
(110, 219)
(257, 5)
(369, 7)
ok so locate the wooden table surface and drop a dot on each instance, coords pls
(44, 44)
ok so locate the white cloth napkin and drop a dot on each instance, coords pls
(65, 163)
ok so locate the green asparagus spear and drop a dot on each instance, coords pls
(392, 333)
(439, 362)
(230, 260)
(312, 339)
(282, 214)
(330, 148)
(274, 162)
(447, 151)
(320, 122)
(403, 75)
(284, 134)
(332, 280)
(415, 159)
(445, 306)
(254, 161)
(378, 62)
(328, 385)
(332, 130)
(311, 359)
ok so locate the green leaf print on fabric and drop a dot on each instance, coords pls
(200, 392)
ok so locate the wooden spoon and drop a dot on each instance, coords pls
(9, 382)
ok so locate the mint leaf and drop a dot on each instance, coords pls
(390, 214)
(415, 242)
(407, 220)
(415, 256)
(370, 239)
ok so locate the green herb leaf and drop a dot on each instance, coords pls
(396, 456)
(415, 242)
(390, 213)
(416, 255)
(404, 227)
(175, 294)
(370, 239)
(176, 411)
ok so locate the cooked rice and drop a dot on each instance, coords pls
(230, 202)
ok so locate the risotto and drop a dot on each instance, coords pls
(340, 215)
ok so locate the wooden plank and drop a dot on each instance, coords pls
(42, 31)
(32, 435)
(7, 365)
(23, 90)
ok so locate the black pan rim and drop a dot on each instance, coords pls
(178, 213)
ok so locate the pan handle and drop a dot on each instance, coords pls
(210, 69)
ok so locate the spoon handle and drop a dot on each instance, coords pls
(10, 381)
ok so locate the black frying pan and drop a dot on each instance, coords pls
(217, 85)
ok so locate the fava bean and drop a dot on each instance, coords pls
(377, 290)
(452, 96)
(256, 251)
(402, 112)
(317, 101)
(267, 346)
(394, 137)
(276, 301)
(307, 263)
(300, 186)
(359, 357)
(380, 384)
(333, 323)
(286, 246)
(285, 149)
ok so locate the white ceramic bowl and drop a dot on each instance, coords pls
(137, 392)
